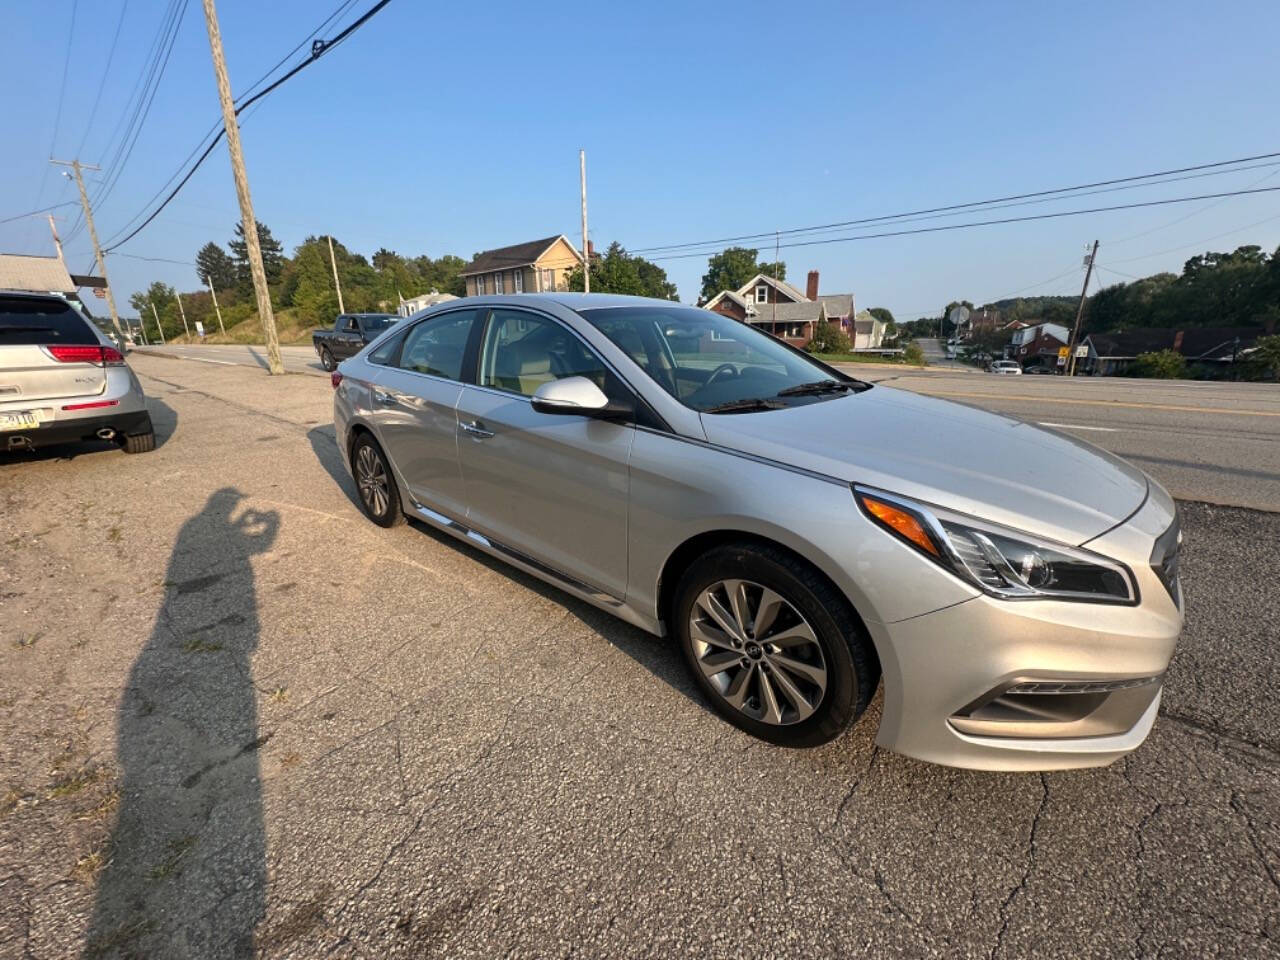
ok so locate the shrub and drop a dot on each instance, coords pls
(1162, 365)
(1264, 358)
(913, 354)
(828, 338)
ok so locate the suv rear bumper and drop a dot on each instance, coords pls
(75, 430)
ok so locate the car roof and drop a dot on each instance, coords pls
(32, 295)
(574, 301)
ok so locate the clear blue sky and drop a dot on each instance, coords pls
(451, 128)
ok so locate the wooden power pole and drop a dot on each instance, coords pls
(1075, 331)
(183, 311)
(157, 316)
(586, 249)
(76, 166)
(216, 309)
(336, 285)
(247, 219)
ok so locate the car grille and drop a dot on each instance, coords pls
(1164, 558)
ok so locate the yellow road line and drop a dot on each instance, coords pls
(1102, 403)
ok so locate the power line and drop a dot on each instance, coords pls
(66, 66)
(102, 84)
(1196, 243)
(213, 130)
(33, 213)
(961, 206)
(134, 256)
(316, 53)
(1193, 213)
(988, 223)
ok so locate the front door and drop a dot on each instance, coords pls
(414, 399)
(347, 341)
(551, 486)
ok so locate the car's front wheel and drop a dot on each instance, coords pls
(377, 488)
(774, 646)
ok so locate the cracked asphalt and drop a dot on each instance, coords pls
(238, 719)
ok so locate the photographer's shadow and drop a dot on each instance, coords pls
(186, 870)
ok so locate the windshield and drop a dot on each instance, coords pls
(376, 324)
(714, 363)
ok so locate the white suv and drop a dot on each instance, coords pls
(1007, 367)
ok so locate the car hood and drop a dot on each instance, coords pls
(984, 464)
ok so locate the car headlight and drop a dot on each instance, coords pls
(1003, 563)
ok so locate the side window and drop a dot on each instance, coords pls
(522, 351)
(386, 353)
(437, 346)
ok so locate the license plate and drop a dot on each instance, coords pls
(23, 420)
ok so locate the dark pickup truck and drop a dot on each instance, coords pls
(350, 333)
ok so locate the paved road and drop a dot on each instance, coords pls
(240, 718)
(295, 359)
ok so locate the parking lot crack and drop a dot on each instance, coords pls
(1251, 832)
(1007, 906)
(853, 787)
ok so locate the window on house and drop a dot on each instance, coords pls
(548, 279)
(480, 286)
(498, 285)
(518, 286)
(762, 294)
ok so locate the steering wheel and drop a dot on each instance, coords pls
(723, 368)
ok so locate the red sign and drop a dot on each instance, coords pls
(100, 293)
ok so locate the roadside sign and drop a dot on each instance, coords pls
(1062, 359)
(200, 329)
(100, 293)
(1062, 352)
(1081, 352)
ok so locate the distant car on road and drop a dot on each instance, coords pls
(63, 381)
(350, 333)
(799, 533)
(1006, 367)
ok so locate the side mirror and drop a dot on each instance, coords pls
(579, 397)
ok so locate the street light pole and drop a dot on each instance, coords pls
(586, 248)
(247, 220)
(1075, 331)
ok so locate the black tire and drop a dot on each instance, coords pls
(385, 511)
(140, 442)
(851, 668)
(326, 360)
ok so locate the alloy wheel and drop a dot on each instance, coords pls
(371, 478)
(758, 652)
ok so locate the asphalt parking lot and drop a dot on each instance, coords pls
(239, 718)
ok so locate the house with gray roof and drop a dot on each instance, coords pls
(788, 313)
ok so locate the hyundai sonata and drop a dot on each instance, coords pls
(801, 534)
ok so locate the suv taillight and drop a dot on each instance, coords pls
(85, 353)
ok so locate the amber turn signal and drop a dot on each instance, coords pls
(901, 522)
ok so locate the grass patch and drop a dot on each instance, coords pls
(279, 695)
(178, 849)
(114, 535)
(290, 759)
(103, 809)
(27, 640)
(9, 802)
(89, 866)
(201, 646)
(110, 943)
(72, 784)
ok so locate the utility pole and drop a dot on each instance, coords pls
(76, 165)
(1075, 332)
(57, 241)
(208, 283)
(184, 314)
(252, 246)
(586, 248)
(336, 285)
(157, 316)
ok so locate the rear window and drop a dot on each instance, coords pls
(26, 322)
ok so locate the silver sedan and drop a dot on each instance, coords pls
(802, 535)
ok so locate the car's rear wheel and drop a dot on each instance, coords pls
(140, 442)
(773, 645)
(326, 360)
(377, 488)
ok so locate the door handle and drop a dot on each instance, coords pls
(386, 399)
(476, 429)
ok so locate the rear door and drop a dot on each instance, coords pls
(39, 361)
(415, 398)
(553, 487)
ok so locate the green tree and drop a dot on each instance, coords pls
(913, 354)
(829, 338)
(165, 300)
(215, 267)
(1264, 358)
(882, 313)
(273, 259)
(1161, 364)
(731, 268)
(620, 272)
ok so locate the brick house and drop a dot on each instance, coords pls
(532, 267)
(778, 308)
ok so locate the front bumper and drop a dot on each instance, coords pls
(942, 667)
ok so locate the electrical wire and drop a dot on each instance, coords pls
(1193, 213)
(959, 206)
(988, 223)
(213, 130)
(102, 84)
(34, 213)
(316, 54)
(1196, 243)
(66, 67)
